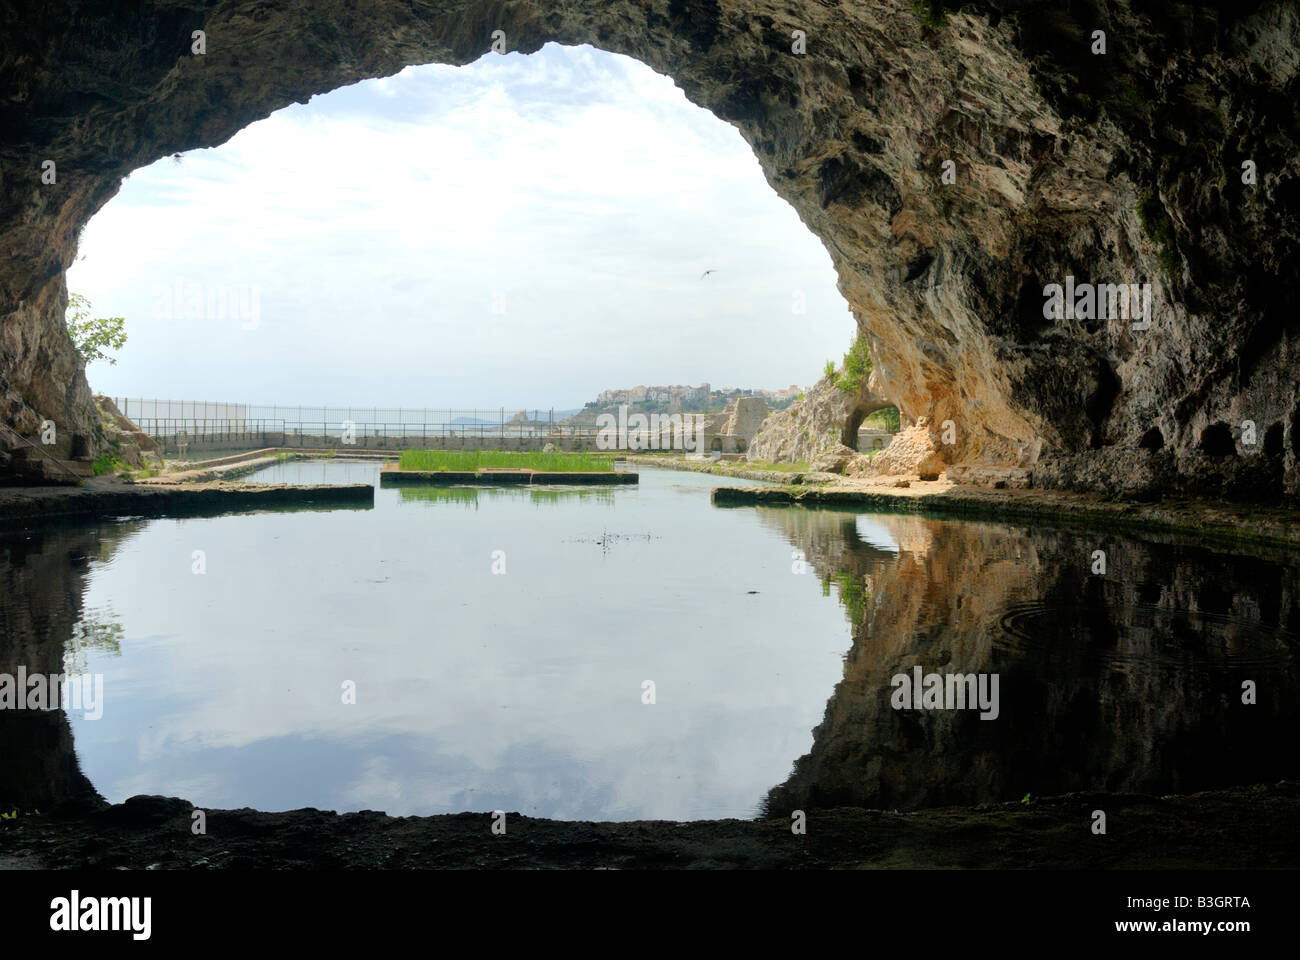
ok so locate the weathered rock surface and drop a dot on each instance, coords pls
(1124, 708)
(917, 449)
(745, 415)
(1053, 150)
(124, 439)
(824, 420)
(834, 460)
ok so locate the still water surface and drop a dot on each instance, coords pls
(499, 642)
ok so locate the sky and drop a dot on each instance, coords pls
(524, 231)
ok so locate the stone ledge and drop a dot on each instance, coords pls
(22, 505)
(1195, 520)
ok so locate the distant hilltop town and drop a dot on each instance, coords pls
(677, 392)
(680, 397)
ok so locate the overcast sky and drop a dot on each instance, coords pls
(523, 231)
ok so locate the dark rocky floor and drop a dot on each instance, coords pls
(1254, 827)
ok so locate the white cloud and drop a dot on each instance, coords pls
(377, 221)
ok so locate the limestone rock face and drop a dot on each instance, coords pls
(123, 438)
(825, 419)
(834, 460)
(954, 167)
(917, 449)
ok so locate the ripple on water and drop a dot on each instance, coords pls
(1123, 632)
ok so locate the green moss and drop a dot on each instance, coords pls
(932, 13)
(1159, 229)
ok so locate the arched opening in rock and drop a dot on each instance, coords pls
(950, 283)
(557, 225)
(1273, 446)
(871, 427)
(1152, 440)
(1216, 441)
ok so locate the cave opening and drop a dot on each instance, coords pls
(1273, 445)
(437, 249)
(1152, 440)
(871, 427)
(1216, 441)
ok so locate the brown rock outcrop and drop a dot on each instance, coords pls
(824, 420)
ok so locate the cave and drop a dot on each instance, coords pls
(1152, 440)
(1273, 446)
(1216, 441)
(947, 187)
(852, 437)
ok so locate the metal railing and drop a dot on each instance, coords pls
(238, 429)
(207, 427)
(425, 431)
(429, 419)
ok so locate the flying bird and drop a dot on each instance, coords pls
(706, 273)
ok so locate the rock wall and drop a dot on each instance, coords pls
(43, 573)
(1121, 167)
(826, 419)
(1128, 682)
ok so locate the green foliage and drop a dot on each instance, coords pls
(93, 336)
(932, 13)
(857, 366)
(829, 371)
(853, 594)
(92, 633)
(109, 463)
(468, 461)
(886, 419)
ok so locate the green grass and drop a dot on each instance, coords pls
(109, 463)
(797, 466)
(469, 461)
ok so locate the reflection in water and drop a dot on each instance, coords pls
(474, 691)
(44, 629)
(524, 691)
(1130, 681)
(472, 496)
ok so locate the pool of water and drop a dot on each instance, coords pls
(630, 653)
